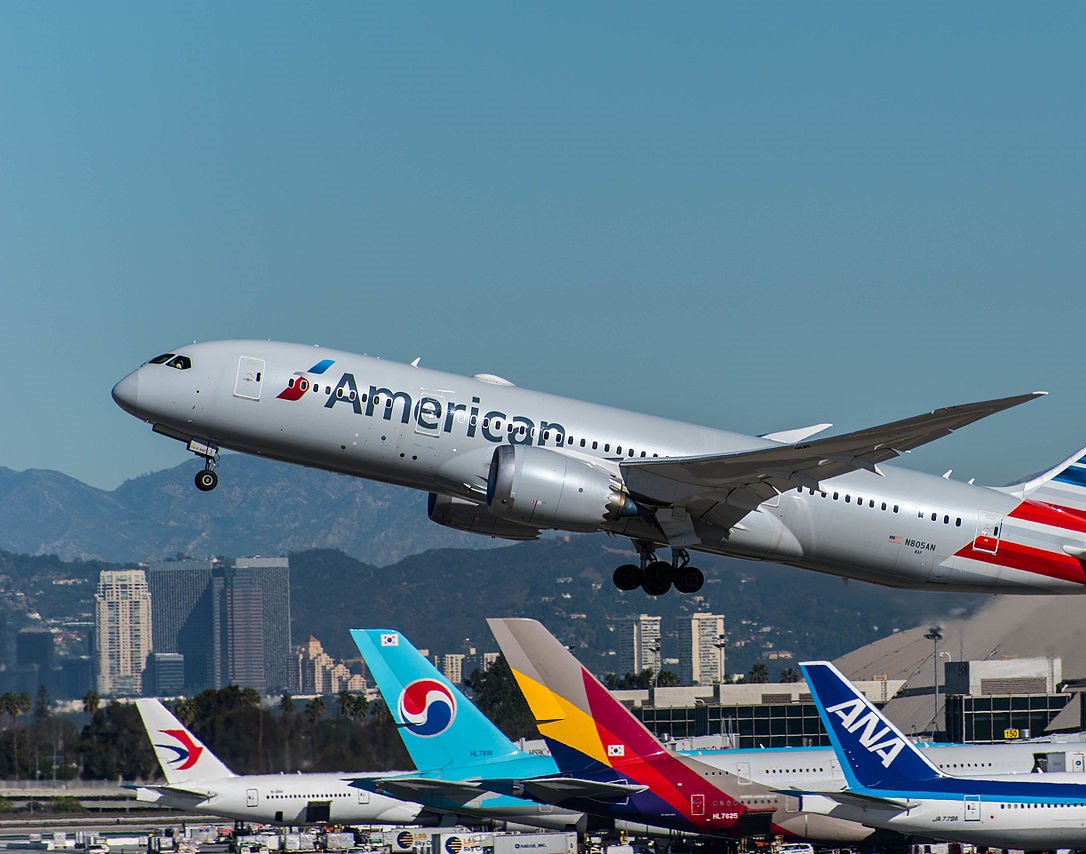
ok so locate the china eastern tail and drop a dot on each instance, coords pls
(507, 462)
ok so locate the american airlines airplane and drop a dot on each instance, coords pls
(508, 462)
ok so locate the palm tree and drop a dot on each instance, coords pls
(788, 675)
(314, 710)
(758, 672)
(91, 702)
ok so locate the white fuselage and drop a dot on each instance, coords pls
(292, 799)
(1024, 823)
(438, 432)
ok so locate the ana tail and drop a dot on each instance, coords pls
(872, 751)
(183, 757)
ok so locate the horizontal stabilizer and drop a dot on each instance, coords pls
(555, 790)
(867, 802)
(421, 788)
(181, 791)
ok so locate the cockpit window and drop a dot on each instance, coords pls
(158, 360)
(182, 363)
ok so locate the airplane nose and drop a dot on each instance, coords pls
(126, 393)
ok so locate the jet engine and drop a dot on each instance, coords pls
(466, 515)
(545, 489)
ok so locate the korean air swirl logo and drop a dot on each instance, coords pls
(427, 708)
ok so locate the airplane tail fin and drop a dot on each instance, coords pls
(587, 729)
(424, 704)
(593, 736)
(873, 752)
(1063, 485)
(183, 757)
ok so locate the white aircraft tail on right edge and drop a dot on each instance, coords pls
(183, 757)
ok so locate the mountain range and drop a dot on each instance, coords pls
(259, 507)
(365, 554)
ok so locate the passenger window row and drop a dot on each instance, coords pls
(872, 503)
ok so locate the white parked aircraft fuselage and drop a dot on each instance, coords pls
(293, 799)
(438, 432)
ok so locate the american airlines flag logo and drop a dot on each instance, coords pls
(895, 539)
(616, 750)
(390, 640)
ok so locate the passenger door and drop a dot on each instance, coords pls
(697, 804)
(252, 798)
(989, 526)
(972, 807)
(250, 378)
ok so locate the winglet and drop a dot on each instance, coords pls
(873, 752)
(183, 757)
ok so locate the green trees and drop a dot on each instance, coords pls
(114, 745)
(498, 697)
(758, 672)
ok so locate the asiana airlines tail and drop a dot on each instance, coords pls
(508, 462)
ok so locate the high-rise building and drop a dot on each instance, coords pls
(639, 644)
(313, 671)
(122, 623)
(701, 650)
(251, 610)
(182, 617)
(164, 675)
(231, 623)
(34, 647)
(452, 665)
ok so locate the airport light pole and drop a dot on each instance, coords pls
(935, 634)
(721, 644)
(654, 648)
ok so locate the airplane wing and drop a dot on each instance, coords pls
(856, 799)
(743, 480)
(421, 788)
(555, 790)
(183, 791)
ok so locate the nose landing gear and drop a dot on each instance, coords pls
(206, 479)
(655, 576)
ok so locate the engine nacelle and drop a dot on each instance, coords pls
(468, 516)
(545, 489)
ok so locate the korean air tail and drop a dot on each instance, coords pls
(872, 751)
(183, 757)
(425, 705)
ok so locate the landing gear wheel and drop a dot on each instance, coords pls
(657, 578)
(628, 577)
(656, 588)
(688, 579)
(206, 480)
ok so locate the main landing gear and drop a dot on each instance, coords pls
(655, 576)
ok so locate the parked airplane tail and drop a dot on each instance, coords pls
(1063, 486)
(424, 704)
(593, 736)
(873, 752)
(183, 757)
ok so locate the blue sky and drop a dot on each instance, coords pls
(754, 216)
